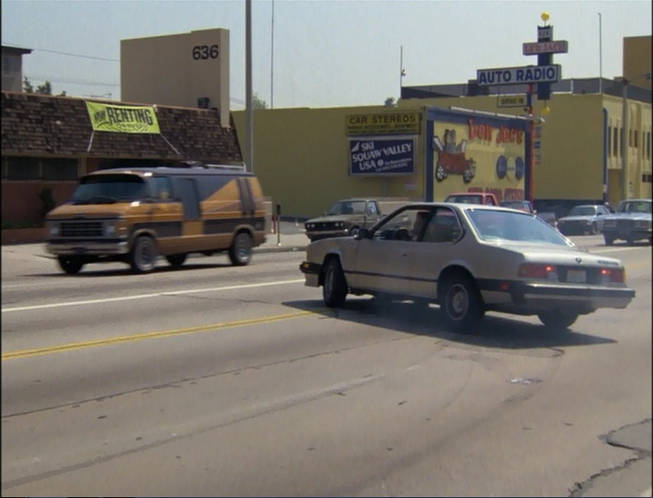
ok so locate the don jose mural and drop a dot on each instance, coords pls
(478, 157)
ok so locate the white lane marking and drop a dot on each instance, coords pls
(146, 296)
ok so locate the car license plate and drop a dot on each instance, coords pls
(576, 276)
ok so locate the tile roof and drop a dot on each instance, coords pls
(46, 125)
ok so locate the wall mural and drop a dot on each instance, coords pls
(476, 156)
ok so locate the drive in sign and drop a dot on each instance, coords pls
(518, 75)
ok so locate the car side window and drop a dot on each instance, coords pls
(442, 227)
(403, 225)
(371, 208)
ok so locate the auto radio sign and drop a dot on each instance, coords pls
(518, 75)
(382, 156)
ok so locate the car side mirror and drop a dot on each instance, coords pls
(363, 233)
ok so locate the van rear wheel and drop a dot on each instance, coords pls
(240, 252)
(176, 259)
(143, 255)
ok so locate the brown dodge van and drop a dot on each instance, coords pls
(136, 214)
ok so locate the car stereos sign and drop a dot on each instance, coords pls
(518, 75)
(382, 156)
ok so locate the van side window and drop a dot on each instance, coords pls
(161, 188)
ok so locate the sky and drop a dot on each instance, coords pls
(327, 53)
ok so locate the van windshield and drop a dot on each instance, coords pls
(107, 189)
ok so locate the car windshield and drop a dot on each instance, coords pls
(582, 211)
(511, 226)
(347, 207)
(635, 207)
(107, 189)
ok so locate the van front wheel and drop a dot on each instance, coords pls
(240, 252)
(144, 254)
(70, 264)
(176, 260)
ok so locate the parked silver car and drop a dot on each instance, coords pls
(468, 259)
(584, 219)
(631, 222)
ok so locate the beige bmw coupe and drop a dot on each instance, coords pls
(468, 259)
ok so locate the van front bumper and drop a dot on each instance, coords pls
(88, 247)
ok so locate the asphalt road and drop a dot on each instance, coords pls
(215, 380)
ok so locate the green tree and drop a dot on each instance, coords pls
(390, 101)
(258, 102)
(44, 89)
(27, 86)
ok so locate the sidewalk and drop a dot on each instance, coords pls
(290, 238)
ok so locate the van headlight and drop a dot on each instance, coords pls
(53, 228)
(114, 228)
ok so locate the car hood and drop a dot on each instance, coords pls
(577, 218)
(89, 211)
(629, 216)
(335, 217)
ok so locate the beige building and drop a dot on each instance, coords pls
(12, 68)
(637, 60)
(186, 70)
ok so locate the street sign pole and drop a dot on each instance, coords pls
(530, 177)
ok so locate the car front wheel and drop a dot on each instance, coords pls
(557, 320)
(461, 303)
(334, 289)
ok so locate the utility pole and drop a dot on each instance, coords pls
(402, 70)
(600, 56)
(248, 85)
(272, 59)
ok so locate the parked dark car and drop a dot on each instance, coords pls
(631, 222)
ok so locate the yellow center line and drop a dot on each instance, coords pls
(27, 353)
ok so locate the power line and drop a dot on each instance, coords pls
(75, 55)
(73, 82)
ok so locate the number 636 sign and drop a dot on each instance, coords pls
(205, 52)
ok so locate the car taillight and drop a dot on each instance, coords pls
(538, 270)
(617, 275)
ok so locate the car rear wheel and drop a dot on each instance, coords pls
(334, 289)
(240, 252)
(461, 303)
(70, 264)
(176, 259)
(143, 256)
(557, 320)
(608, 240)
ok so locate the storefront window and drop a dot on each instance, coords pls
(23, 168)
(59, 169)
